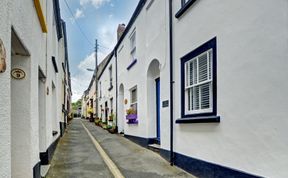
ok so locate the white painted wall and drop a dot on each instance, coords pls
(106, 93)
(19, 129)
(252, 43)
(151, 44)
(5, 102)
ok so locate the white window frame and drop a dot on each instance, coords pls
(197, 83)
(132, 103)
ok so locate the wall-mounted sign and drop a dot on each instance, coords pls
(47, 91)
(125, 101)
(18, 74)
(2, 57)
(165, 104)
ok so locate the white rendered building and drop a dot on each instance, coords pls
(35, 88)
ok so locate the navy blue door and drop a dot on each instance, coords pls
(158, 108)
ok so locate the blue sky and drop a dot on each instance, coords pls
(97, 19)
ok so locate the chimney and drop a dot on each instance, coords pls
(120, 30)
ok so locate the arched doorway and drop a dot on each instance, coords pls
(153, 100)
(121, 113)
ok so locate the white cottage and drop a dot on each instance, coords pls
(34, 86)
(204, 81)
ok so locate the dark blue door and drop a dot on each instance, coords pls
(158, 108)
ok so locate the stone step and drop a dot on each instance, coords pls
(154, 147)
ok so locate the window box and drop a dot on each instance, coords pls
(132, 121)
(131, 116)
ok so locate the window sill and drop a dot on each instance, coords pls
(132, 64)
(204, 119)
(184, 8)
(110, 88)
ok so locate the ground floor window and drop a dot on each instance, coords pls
(133, 100)
(198, 87)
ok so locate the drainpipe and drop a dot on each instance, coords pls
(116, 71)
(171, 82)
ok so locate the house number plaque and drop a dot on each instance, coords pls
(18, 73)
(2, 57)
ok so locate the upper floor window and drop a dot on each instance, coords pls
(198, 72)
(111, 76)
(133, 45)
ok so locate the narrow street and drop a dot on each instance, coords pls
(76, 156)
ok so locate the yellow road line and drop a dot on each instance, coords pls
(111, 165)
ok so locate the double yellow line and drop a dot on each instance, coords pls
(111, 165)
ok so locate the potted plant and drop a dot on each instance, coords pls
(111, 117)
(113, 129)
(97, 121)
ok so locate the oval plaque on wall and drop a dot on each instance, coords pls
(2, 57)
(18, 73)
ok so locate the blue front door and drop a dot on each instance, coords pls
(157, 81)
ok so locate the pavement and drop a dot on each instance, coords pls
(77, 157)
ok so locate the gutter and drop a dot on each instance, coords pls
(171, 82)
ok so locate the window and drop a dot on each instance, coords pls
(185, 5)
(198, 72)
(133, 102)
(111, 105)
(198, 84)
(100, 89)
(133, 45)
(111, 77)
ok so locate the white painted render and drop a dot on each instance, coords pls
(106, 91)
(152, 62)
(21, 139)
(252, 43)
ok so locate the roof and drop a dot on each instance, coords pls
(131, 21)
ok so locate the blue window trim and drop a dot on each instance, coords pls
(54, 64)
(184, 7)
(197, 118)
(132, 64)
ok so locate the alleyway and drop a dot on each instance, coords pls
(76, 156)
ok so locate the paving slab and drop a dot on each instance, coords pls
(76, 156)
(133, 160)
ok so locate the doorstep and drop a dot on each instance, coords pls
(44, 170)
(154, 147)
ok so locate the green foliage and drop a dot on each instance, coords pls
(76, 105)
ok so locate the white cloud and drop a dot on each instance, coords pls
(81, 80)
(79, 14)
(95, 3)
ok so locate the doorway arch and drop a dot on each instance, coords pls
(121, 112)
(153, 100)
